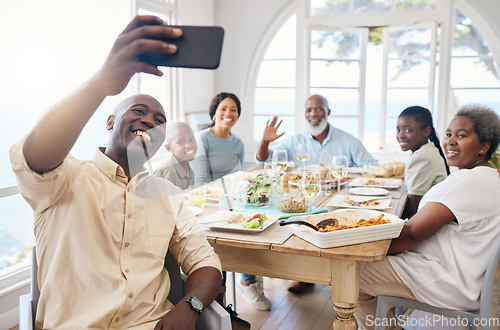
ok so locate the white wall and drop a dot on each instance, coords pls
(245, 23)
(197, 84)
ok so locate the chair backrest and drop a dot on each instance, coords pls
(489, 283)
(176, 282)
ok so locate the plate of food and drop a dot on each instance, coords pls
(212, 194)
(295, 179)
(360, 202)
(376, 182)
(367, 191)
(350, 226)
(240, 221)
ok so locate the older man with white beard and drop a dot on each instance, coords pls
(320, 138)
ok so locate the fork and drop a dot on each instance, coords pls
(349, 200)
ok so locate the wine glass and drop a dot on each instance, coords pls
(340, 166)
(310, 185)
(280, 161)
(302, 154)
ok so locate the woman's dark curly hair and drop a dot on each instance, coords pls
(218, 99)
(486, 124)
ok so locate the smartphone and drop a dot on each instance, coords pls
(199, 47)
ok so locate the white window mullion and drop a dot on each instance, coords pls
(303, 66)
(431, 58)
(362, 84)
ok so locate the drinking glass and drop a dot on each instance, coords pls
(269, 173)
(279, 161)
(325, 163)
(197, 196)
(302, 154)
(310, 185)
(340, 166)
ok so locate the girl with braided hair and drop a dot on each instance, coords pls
(427, 164)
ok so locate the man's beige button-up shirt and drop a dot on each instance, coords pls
(101, 242)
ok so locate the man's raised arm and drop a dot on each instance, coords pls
(54, 135)
(270, 134)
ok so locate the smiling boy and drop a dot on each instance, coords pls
(182, 146)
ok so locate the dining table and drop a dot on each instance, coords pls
(277, 253)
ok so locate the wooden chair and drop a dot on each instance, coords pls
(482, 317)
(214, 316)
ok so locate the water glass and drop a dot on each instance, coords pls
(197, 195)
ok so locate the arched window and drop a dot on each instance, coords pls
(371, 59)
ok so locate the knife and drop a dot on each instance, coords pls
(229, 205)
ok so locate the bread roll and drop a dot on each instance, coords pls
(388, 170)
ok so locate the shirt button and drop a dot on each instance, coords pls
(117, 319)
(127, 244)
(127, 270)
(130, 215)
(131, 295)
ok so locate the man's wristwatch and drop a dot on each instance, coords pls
(196, 304)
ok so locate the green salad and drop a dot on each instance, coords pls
(260, 193)
(254, 222)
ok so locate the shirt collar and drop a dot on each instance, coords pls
(111, 169)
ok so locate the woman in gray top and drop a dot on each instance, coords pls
(219, 151)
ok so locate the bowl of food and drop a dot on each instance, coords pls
(256, 194)
(290, 204)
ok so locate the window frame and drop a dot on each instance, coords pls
(443, 15)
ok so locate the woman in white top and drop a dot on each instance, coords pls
(443, 250)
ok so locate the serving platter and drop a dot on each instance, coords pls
(349, 236)
(345, 201)
(222, 220)
(376, 182)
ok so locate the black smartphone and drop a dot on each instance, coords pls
(199, 47)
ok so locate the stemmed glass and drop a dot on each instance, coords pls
(310, 185)
(340, 166)
(302, 154)
(279, 162)
(325, 161)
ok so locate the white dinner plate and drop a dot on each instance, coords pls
(220, 220)
(368, 191)
(195, 209)
(376, 182)
(339, 200)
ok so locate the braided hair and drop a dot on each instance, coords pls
(424, 117)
